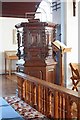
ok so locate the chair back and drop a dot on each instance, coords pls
(74, 70)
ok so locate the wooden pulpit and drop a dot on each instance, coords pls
(34, 47)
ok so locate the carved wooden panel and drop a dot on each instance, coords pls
(34, 46)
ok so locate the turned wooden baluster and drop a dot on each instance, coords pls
(34, 96)
(26, 98)
(59, 105)
(39, 104)
(44, 100)
(47, 113)
(78, 108)
(68, 108)
(20, 82)
(49, 107)
(62, 105)
(41, 99)
(28, 92)
(64, 112)
(24, 90)
(56, 105)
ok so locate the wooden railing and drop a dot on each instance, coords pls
(52, 100)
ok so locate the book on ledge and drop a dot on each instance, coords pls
(61, 45)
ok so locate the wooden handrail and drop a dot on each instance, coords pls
(50, 99)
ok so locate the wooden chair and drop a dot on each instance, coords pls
(75, 76)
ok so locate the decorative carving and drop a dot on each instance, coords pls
(34, 47)
(33, 40)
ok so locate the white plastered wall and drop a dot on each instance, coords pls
(72, 36)
(6, 38)
(69, 31)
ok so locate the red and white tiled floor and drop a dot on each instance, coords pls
(25, 110)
